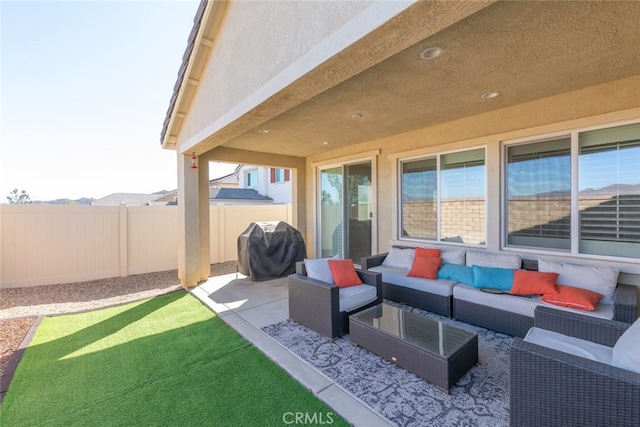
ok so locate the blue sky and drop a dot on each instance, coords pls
(84, 89)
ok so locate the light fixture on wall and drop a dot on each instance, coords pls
(194, 161)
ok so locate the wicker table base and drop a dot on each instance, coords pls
(438, 352)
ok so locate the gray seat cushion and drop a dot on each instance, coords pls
(353, 297)
(567, 344)
(398, 276)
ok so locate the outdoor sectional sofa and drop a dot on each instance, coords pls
(453, 293)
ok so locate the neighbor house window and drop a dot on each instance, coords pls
(443, 197)
(279, 175)
(252, 178)
(579, 193)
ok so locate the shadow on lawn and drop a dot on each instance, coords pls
(142, 380)
(109, 326)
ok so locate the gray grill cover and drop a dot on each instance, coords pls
(268, 250)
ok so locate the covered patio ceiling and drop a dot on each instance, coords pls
(524, 50)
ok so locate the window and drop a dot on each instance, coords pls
(279, 175)
(443, 197)
(346, 195)
(252, 178)
(579, 193)
(609, 191)
(539, 194)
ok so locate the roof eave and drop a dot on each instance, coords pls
(193, 49)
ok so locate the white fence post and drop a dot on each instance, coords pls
(124, 240)
(221, 234)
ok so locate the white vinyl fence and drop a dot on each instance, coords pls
(49, 244)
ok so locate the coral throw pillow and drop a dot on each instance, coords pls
(533, 283)
(344, 273)
(572, 297)
(426, 267)
(422, 252)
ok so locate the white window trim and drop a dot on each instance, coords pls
(573, 253)
(276, 181)
(400, 158)
(246, 178)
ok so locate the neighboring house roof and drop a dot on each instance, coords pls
(237, 194)
(129, 199)
(221, 195)
(227, 181)
(230, 179)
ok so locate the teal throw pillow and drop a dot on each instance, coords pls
(492, 278)
(457, 273)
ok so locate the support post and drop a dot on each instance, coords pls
(193, 218)
(205, 221)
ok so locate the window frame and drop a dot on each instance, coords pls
(574, 250)
(400, 161)
(247, 177)
(504, 191)
(342, 162)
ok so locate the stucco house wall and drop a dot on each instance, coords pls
(601, 105)
(245, 76)
(308, 68)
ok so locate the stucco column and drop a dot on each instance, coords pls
(298, 199)
(193, 222)
(205, 222)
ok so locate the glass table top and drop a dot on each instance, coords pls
(429, 334)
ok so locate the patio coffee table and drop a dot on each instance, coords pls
(438, 352)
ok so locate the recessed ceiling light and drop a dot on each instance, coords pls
(324, 142)
(263, 130)
(356, 116)
(490, 95)
(431, 53)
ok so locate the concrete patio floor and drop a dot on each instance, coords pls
(247, 307)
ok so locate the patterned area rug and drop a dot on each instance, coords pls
(481, 397)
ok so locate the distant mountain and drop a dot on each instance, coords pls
(80, 201)
(624, 189)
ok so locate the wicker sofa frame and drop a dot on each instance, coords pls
(504, 321)
(315, 304)
(625, 305)
(425, 300)
(553, 388)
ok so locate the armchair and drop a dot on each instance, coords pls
(316, 304)
(554, 388)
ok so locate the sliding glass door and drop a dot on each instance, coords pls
(346, 211)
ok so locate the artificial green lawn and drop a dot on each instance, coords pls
(165, 361)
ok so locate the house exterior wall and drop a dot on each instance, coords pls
(280, 192)
(262, 176)
(605, 104)
(249, 39)
(48, 244)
